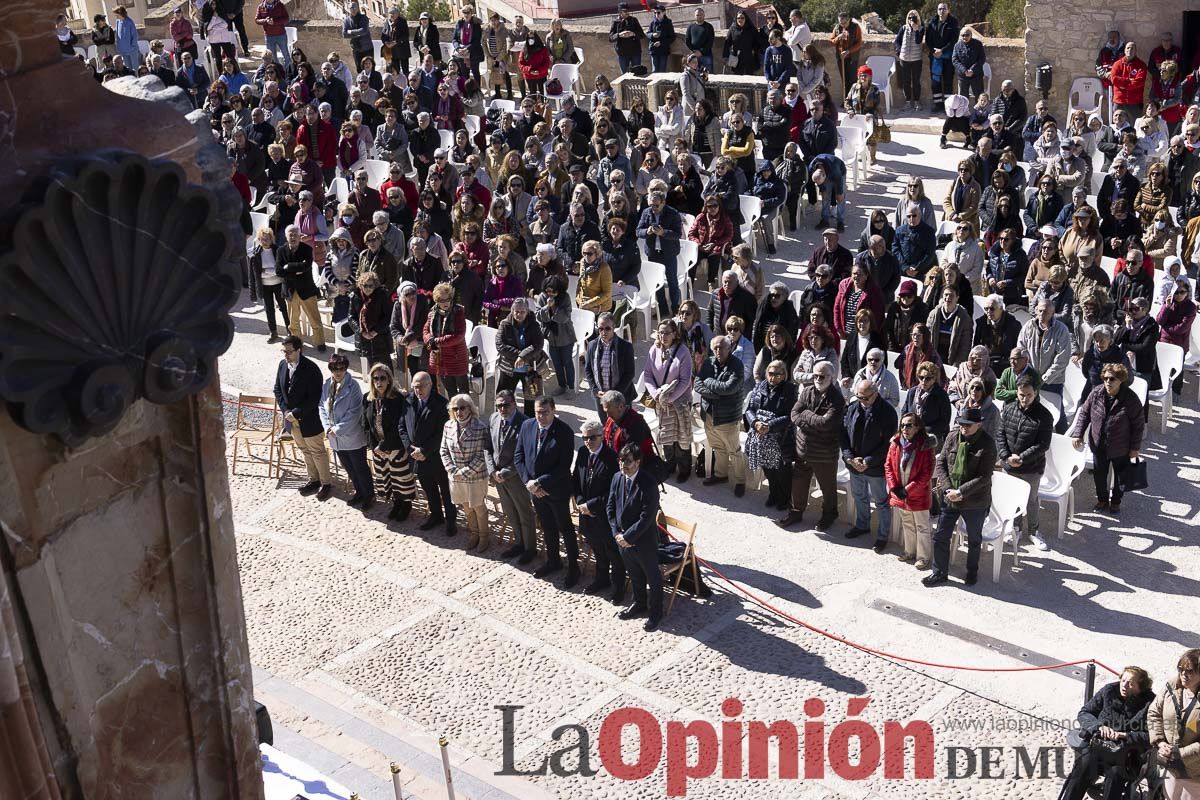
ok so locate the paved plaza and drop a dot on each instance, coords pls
(370, 639)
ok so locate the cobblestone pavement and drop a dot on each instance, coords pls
(369, 639)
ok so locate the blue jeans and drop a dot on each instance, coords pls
(672, 295)
(658, 59)
(279, 46)
(628, 62)
(706, 61)
(973, 518)
(564, 364)
(868, 489)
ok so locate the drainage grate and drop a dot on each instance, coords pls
(998, 646)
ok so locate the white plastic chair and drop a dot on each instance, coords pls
(447, 142)
(987, 79)
(503, 105)
(751, 213)
(578, 56)
(852, 149)
(689, 257)
(568, 76)
(79, 51)
(1052, 402)
(639, 388)
(472, 124)
(1109, 265)
(1140, 388)
(1073, 383)
(447, 49)
(378, 171)
(292, 36)
(1087, 94)
(341, 188)
(882, 69)
(1170, 364)
(1193, 356)
(1009, 497)
(1063, 465)
(653, 276)
(584, 323)
(796, 298)
(143, 48)
(484, 338)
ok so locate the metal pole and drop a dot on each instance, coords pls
(1089, 683)
(443, 744)
(396, 781)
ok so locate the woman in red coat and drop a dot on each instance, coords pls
(446, 340)
(534, 63)
(858, 291)
(1128, 78)
(908, 471)
(712, 232)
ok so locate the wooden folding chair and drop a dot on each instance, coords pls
(248, 435)
(687, 563)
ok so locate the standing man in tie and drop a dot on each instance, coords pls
(609, 362)
(421, 433)
(633, 514)
(595, 468)
(543, 460)
(298, 392)
(505, 428)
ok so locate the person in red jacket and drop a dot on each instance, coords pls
(858, 291)
(534, 63)
(446, 340)
(712, 232)
(1128, 78)
(623, 425)
(398, 178)
(908, 470)
(318, 135)
(272, 15)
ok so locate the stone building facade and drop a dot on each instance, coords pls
(1069, 33)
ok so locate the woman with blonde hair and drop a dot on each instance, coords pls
(262, 273)
(667, 377)
(383, 414)
(464, 440)
(1173, 721)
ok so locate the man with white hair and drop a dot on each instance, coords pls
(591, 479)
(867, 430)
(719, 384)
(609, 363)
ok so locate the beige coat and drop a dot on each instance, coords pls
(1163, 724)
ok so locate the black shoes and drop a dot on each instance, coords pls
(793, 518)
(325, 492)
(431, 523)
(841, 226)
(652, 624)
(771, 250)
(854, 533)
(400, 510)
(549, 568)
(971, 579)
(310, 488)
(597, 586)
(514, 551)
(1100, 507)
(880, 545)
(355, 501)
(826, 522)
(943, 144)
(321, 348)
(572, 576)
(634, 611)
(527, 556)
(618, 594)
(451, 527)
(934, 579)
(739, 490)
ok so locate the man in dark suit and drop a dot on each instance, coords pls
(609, 362)
(633, 515)
(504, 429)
(595, 467)
(421, 433)
(298, 392)
(545, 447)
(293, 263)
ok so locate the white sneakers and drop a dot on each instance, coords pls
(1038, 541)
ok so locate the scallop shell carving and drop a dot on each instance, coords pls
(117, 286)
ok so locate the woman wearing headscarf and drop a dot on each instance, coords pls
(383, 413)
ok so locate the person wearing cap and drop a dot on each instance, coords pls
(1063, 222)
(963, 475)
(906, 310)
(831, 252)
(660, 35)
(407, 327)
(1118, 184)
(863, 98)
(612, 160)
(847, 42)
(626, 34)
(968, 59)
(1070, 168)
(941, 34)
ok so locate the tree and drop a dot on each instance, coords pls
(437, 9)
(1008, 18)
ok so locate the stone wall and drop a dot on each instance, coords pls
(1069, 33)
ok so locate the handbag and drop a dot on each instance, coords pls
(554, 86)
(732, 61)
(883, 133)
(648, 400)
(1135, 477)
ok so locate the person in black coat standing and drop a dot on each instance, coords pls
(543, 456)
(395, 37)
(468, 34)
(421, 432)
(633, 506)
(293, 263)
(298, 392)
(595, 467)
(426, 39)
(609, 363)
(929, 401)
(626, 34)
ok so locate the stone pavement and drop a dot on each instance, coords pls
(370, 639)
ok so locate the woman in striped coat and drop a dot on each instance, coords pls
(463, 441)
(383, 410)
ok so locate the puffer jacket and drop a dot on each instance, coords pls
(773, 405)
(920, 474)
(817, 417)
(720, 389)
(1025, 432)
(1115, 431)
(976, 487)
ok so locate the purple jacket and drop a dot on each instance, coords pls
(1120, 429)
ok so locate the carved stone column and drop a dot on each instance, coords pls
(124, 670)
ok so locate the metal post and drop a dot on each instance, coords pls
(443, 744)
(396, 781)
(1089, 682)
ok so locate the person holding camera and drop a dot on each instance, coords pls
(1112, 738)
